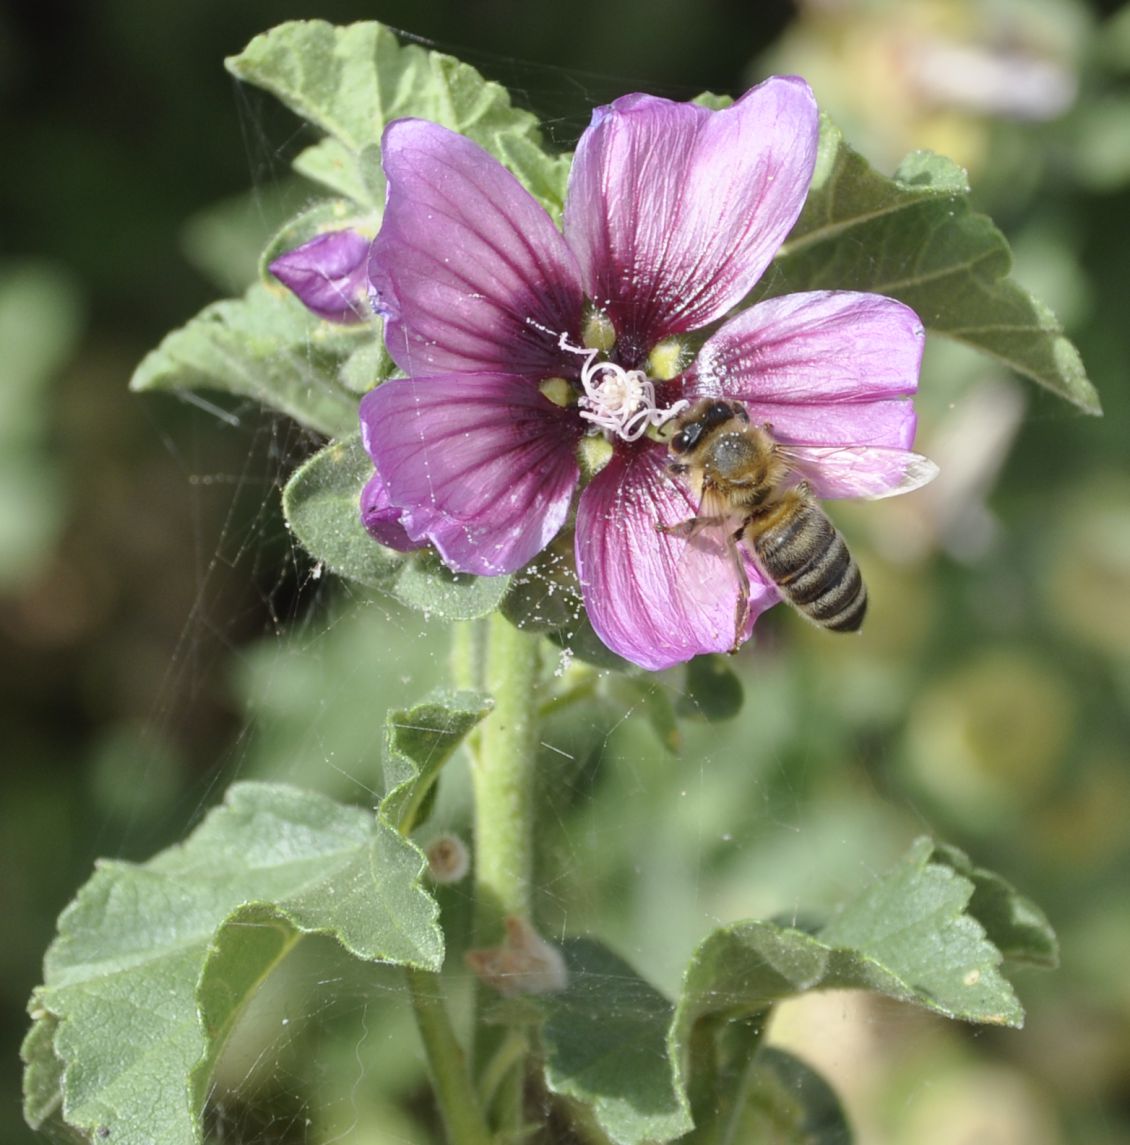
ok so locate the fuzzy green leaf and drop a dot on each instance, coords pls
(265, 346)
(352, 81)
(604, 1046)
(418, 742)
(321, 502)
(546, 595)
(354, 173)
(153, 962)
(366, 367)
(429, 586)
(788, 1103)
(43, 1072)
(579, 639)
(909, 936)
(761, 1093)
(1014, 923)
(915, 238)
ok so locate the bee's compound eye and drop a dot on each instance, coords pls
(717, 412)
(686, 437)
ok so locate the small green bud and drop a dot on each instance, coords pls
(598, 333)
(558, 391)
(594, 453)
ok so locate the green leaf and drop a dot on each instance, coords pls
(544, 176)
(418, 742)
(321, 502)
(909, 936)
(713, 690)
(757, 1092)
(604, 1039)
(356, 174)
(580, 639)
(153, 962)
(352, 81)
(265, 346)
(788, 1103)
(915, 238)
(1014, 923)
(43, 1072)
(917, 924)
(321, 505)
(366, 367)
(546, 594)
(430, 587)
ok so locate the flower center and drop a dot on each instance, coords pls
(620, 402)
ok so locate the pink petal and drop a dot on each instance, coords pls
(481, 465)
(827, 367)
(383, 519)
(469, 270)
(674, 210)
(653, 598)
(329, 275)
(864, 471)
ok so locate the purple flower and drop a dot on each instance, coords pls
(330, 275)
(528, 351)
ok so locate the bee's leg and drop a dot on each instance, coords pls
(741, 611)
(690, 526)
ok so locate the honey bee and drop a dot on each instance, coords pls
(752, 487)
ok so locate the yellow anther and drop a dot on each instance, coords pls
(667, 360)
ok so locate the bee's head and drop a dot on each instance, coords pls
(701, 420)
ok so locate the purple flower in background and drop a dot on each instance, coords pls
(330, 275)
(525, 348)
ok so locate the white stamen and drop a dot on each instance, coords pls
(619, 401)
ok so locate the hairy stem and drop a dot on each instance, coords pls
(502, 761)
(456, 1096)
(502, 778)
(466, 654)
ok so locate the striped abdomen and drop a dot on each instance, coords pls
(805, 555)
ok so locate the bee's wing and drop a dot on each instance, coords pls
(867, 471)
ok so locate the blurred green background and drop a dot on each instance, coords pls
(162, 636)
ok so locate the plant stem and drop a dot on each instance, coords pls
(502, 762)
(502, 778)
(458, 1102)
(466, 654)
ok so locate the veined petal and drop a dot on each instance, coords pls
(481, 465)
(383, 519)
(654, 598)
(823, 368)
(329, 275)
(468, 269)
(674, 211)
